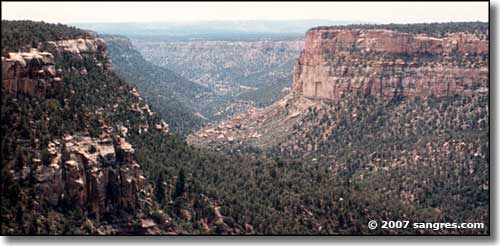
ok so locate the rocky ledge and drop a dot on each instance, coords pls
(35, 72)
(97, 176)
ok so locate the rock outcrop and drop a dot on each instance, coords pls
(35, 72)
(389, 63)
(98, 176)
(80, 49)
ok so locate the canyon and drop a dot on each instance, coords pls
(370, 108)
(392, 119)
(239, 74)
(177, 99)
(336, 63)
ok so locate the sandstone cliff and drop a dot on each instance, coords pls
(97, 176)
(390, 63)
(35, 72)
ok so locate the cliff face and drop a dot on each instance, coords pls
(97, 176)
(34, 73)
(388, 63)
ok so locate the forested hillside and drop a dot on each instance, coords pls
(347, 161)
(173, 96)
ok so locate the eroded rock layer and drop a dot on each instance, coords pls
(34, 72)
(390, 63)
(94, 175)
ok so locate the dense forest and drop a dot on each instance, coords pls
(365, 157)
(355, 159)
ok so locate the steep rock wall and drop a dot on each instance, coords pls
(389, 63)
(97, 176)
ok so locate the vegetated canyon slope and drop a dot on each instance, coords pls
(83, 153)
(242, 74)
(177, 99)
(398, 113)
(67, 164)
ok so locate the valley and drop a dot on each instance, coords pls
(106, 134)
(177, 99)
(241, 74)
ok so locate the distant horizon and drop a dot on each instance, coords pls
(193, 12)
(264, 20)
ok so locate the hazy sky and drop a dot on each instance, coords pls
(380, 12)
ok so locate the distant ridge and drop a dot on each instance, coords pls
(211, 30)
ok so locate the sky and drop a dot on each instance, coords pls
(377, 12)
